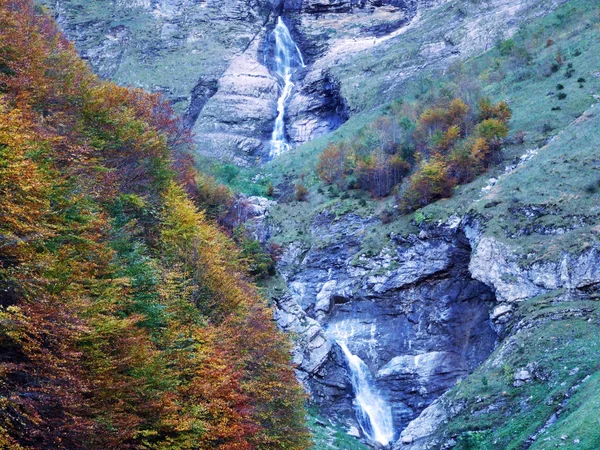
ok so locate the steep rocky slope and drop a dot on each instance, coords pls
(413, 314)
(212, 59)
(527, 236)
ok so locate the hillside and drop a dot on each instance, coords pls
(428, 237)
(213, 60)
(127, 318)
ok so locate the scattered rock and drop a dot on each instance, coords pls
(354, 432)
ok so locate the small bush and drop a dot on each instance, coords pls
(386, 216)
(331, 166)
(270, 190)
(581, 80)
(301, 193)
(559, 58)
(520, 137)
(562, 96)
(507, 47)
(214, 198)
(547, 128)
(419, 217)
(570, 71)
(549, 43)
(429, 183)
(560, 87)
(593, 187)
(492, 129)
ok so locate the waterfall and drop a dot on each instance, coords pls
(373, 413)
(287, 60)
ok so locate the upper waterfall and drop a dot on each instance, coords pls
(288, 59)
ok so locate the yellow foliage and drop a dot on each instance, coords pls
(480, 150)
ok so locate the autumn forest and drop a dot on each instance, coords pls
(128, 317)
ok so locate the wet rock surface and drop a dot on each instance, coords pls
(413, 314)
(422, 314)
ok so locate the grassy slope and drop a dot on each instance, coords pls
(149, 60)
(561, 352)
(573, 28)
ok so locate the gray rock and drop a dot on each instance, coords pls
(312, 346)
(522, 376)
(420, 429)
(412, 313)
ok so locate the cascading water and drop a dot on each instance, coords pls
(288, 59)
(373, 413)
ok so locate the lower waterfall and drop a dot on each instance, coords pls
(373, 413)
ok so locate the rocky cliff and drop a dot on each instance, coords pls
(413, 314)
(211, 58)
(466, 320)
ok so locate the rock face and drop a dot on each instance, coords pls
(422, 314)
(502, 268)
(413, 314)
(238, 118)
(171, 46)
(208, 56)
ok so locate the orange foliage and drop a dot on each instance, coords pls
(331, 165)
(429, 183)
(379, 172)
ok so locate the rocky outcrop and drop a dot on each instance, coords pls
(423, 313)
(177, 47)
(413, 314)
(413, 437)
(312, 345)
(317, 109)
(202, 92)
(359, 55)
(237, 121)
(497, 265)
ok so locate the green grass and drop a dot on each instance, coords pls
(558, 177)
(578, 422)
(330, 436)
(148, 60)
(561, 351)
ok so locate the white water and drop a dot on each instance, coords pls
(373, 413)
(288, 59)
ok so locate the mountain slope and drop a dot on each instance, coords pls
(531, 231)
(215, 63)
